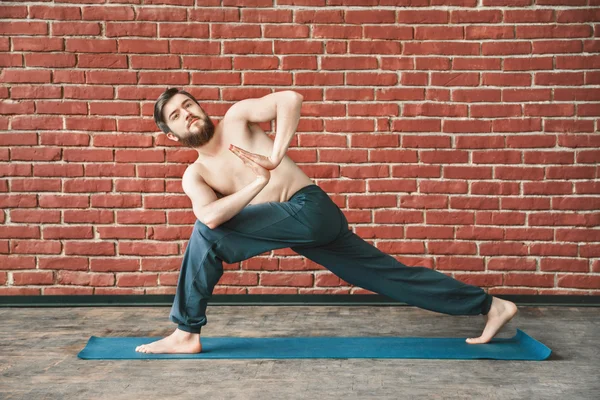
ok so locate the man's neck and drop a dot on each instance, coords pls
(213, 148)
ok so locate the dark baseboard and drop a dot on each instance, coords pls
(268, 300)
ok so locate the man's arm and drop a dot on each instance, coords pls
(212, 211)
(283, 106)
(227, 207)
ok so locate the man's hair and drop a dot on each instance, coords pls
(160, 103)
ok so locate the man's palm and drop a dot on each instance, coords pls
(263, 161)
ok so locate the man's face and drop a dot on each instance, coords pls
(188, 121)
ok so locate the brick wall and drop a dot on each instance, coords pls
(461, 135)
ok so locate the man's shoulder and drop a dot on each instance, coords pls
(230, 122)
(195, 171)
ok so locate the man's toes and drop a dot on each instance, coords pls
(477, 340)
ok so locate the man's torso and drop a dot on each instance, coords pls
(226, 173)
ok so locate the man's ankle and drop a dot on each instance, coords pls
(181, 332)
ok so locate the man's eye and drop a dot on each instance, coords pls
(188, 104)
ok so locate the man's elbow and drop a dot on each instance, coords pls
(205, 219)
(207, 223)
(296, 95)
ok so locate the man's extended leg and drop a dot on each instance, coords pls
(363, 265)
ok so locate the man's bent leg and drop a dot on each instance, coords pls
(254, 230)
(361, 264)
(200, 271)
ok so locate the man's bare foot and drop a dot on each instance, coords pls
(177, 342)
(500, 313)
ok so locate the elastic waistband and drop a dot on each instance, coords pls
(307, 189)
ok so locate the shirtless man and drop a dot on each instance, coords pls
(238, 165)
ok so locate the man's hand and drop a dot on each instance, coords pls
(265, 162)
(249, 159)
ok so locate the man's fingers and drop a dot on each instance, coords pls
(238, 151)
(243, 157)
(250, 161)
(238, 154)
(246, 152)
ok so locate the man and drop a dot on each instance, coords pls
(249, 198)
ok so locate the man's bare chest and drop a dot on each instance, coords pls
(225, 172)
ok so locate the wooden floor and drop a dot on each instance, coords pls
(39, 346)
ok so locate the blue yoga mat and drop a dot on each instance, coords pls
(519, 347)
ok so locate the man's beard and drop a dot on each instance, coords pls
(200, 138)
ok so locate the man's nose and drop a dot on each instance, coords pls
(189, 115)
